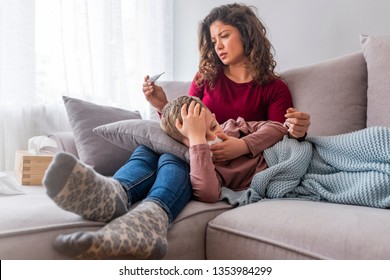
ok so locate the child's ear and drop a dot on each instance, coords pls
(213, 115)
(178, 124)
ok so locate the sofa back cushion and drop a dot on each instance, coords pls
(376, 50)
(172, 89)
(334, 92)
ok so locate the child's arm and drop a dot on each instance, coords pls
(262, 135)
(204, 180)
(255, 136)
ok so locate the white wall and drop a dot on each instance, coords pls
(303, 32)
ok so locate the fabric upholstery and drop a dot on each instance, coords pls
(292, 229)
(31, 222)
(376, 50)
(333, 92)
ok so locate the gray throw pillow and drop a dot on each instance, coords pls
(92, 149)
(130, 134)
(376, 50)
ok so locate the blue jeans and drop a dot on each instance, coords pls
(163, 179)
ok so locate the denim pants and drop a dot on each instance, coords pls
(163, 179)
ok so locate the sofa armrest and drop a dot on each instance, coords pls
(65, 142)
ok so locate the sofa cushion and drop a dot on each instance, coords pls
(298, 229)
(334, 92)
(376, 50)
(92, 149)
(129, 134)
(187, 234)
(30, 222)
(172, 89)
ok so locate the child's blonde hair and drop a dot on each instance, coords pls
(172, 111)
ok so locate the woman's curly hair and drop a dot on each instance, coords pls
(257, 48)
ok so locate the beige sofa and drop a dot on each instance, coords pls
(343, 94)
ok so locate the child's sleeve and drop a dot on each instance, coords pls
(205, 182)
(262, 135)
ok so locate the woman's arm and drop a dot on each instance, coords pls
(262, 135)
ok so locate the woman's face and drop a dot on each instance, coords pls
(227, 43)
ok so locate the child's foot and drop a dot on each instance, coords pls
(141, 234)
(77, 188)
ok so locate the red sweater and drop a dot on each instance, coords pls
(230, 100)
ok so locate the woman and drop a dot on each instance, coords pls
(236, 76)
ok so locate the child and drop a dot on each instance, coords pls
(187, 120)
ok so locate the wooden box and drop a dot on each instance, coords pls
(30, 169)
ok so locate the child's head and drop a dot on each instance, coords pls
(172, 111)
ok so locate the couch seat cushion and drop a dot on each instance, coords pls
(294, 229)
(30, 222)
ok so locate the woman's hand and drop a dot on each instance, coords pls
(298, 122)
(229, 149)
(154, 94)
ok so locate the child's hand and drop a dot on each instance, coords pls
(194, 123)
(229, 149)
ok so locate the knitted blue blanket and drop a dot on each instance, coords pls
(352, 168)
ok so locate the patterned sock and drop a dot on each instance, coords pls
(140, 234)
(77, 188)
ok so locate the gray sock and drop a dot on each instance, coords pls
(141, 234)
(77, 188)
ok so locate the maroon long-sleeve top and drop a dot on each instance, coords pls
(230, 100)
